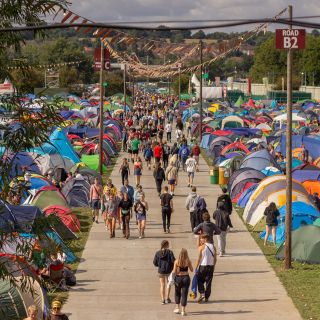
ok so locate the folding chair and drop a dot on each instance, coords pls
(56, 278)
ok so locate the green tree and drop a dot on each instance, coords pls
(199, 35)
(184, 84)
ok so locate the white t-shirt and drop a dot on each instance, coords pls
(168, 127)
(178, 133)
(191, 165)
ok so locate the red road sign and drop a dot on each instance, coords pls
(97, 59)
(290, 38)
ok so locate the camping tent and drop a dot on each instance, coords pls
(77, 192)
(48, 196)
(232, 122)
(259, 160)
(302, 214)
(305, 245)
(271, 189)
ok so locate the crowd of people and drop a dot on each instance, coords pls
(143, 139)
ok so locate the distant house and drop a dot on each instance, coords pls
(247, 49)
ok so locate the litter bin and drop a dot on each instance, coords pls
(224, 175)
(214, 175)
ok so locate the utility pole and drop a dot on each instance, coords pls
(179, 86)
(148, 68)
(101, 110)
(201, 69)
(124, 89)
(133, 83)
(289, 155)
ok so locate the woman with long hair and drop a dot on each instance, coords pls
(164, 260)
(272, 214)
(182, 281)
(137, 167)
(141, 207)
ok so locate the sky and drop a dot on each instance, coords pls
(154, 10)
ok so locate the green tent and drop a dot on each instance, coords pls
(305, 245)
(317, 222)
(11, 302)
(45, 198)
(239, 102)
(92, 162)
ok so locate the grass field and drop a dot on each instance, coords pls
(302, 282)
(77, 246)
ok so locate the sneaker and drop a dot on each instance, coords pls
(168, 300)
(140, 237)
(183, 313)
(165, 231)
(206, 300)
(168, 230)
(201, 298)
(97, 221)
(93, 218)
(176, 310)
(163, 302)
(221, 254)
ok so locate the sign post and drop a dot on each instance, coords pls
(289, 39)
(201, 70)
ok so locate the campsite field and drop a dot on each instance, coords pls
(302, 282)
(77, 246)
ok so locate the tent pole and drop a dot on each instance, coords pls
(201, 70)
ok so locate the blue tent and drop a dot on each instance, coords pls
(302, 214)
(59, 143)
(259, 160)
(23, 160)
(244, 198)
(17, 218)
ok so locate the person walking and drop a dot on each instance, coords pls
(191, 165)
(172, 177)
(124, 170)
(148, 154)
(55, 312)
(137, 167)
(272, 214)
(111, 205)
(205, 264)
(141, 208)
(184, 154)
(164, 261)
(207, 227)
(192, 207)
(168, 128)
(225, 198)
(181, 268)
(159, 177)
(166, 209)
(33, 312)
(157, 152)
(135, 144)
(125, 206)
(95, 199)
(126, 188)
(223, 222)
(196, 153)
(165, 154)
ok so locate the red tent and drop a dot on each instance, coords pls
(65, 215)
(222, 133)
(235, 146)
(250, 103)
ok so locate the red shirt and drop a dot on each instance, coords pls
(130, 122)
(196, 150)
(157, 151)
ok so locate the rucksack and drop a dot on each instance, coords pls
(184, 152)
(148, 153)
(193, 207)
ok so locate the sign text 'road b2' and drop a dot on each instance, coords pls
(290, 38)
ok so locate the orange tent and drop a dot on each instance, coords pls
(312, 186)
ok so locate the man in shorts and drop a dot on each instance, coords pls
(172, 177)
(191, 165)
(135, 143)
(95, 199)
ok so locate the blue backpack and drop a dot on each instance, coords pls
(184, 152)
(148, 153)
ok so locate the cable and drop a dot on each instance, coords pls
(128, 27)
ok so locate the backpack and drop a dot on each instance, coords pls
(166, 150)
(148, 153)
(184, 152)
(193, 207)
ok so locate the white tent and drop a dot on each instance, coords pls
(284, 117)
(231, 119)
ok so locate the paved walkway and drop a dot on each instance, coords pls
(117, 280)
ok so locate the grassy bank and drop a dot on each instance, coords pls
(302, 282)
(77, 246)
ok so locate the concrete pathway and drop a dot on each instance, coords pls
(116, 278)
